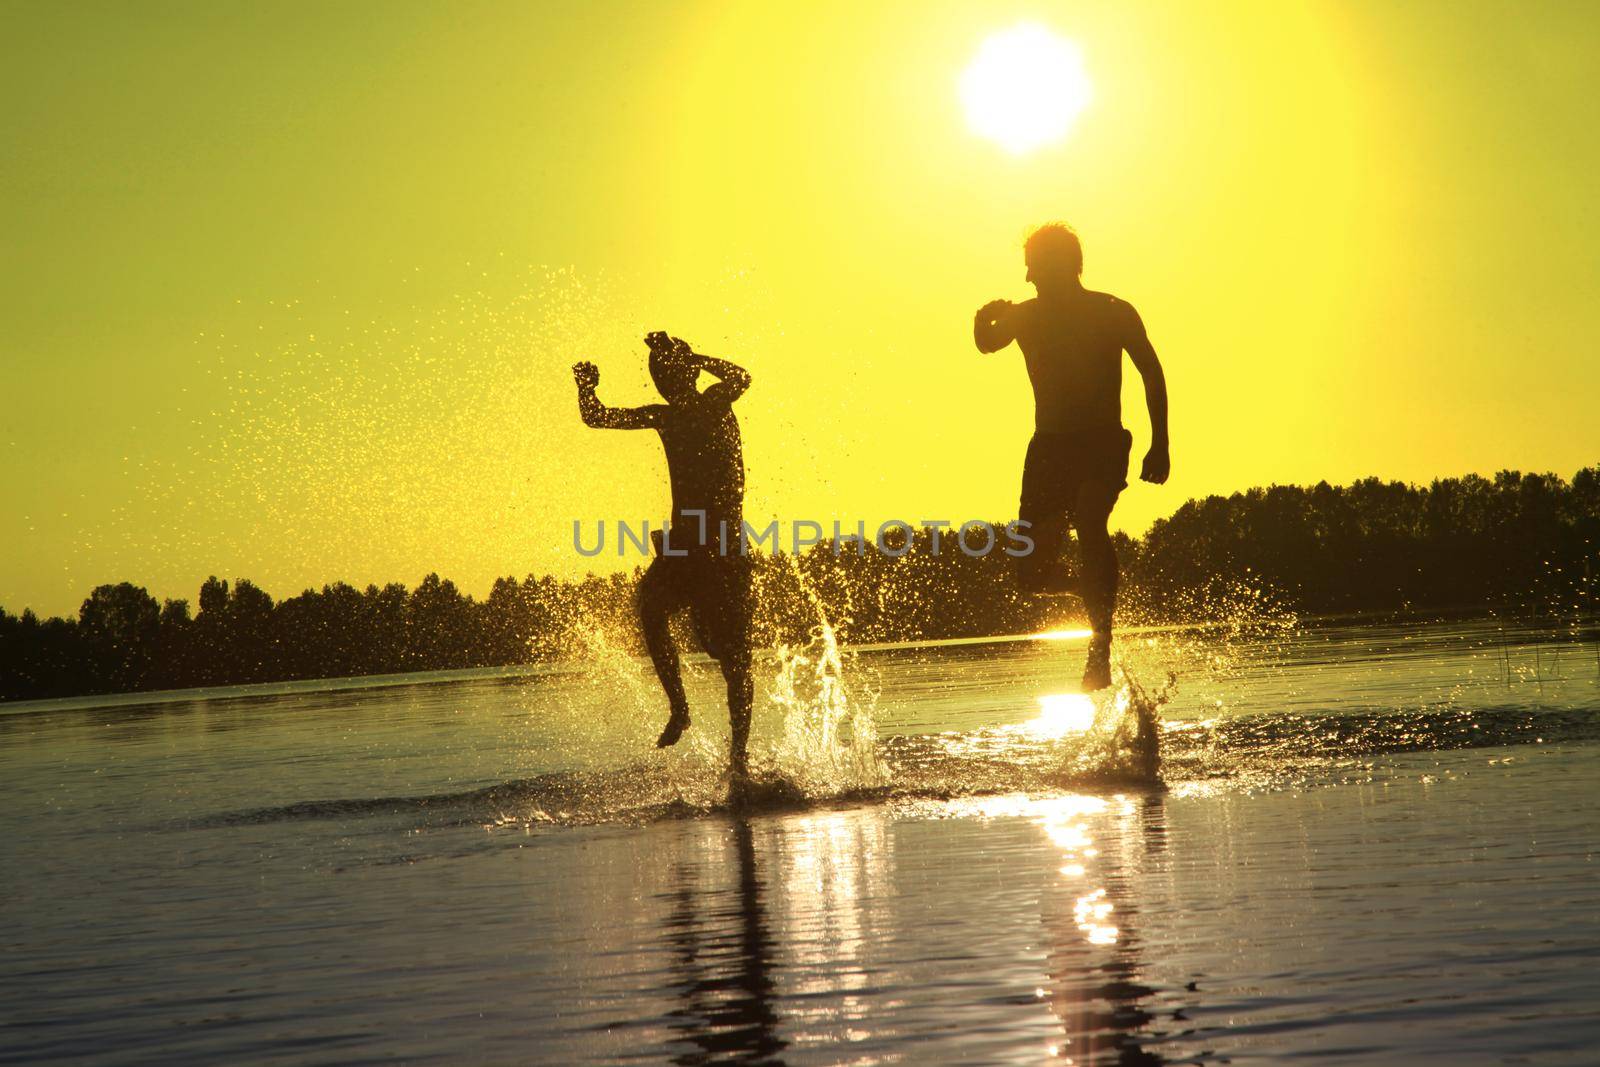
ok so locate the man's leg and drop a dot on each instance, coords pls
(658, 597)
(1044, 508)
(723, 619)
(1043, 571)
(741, 698)
(1090, 514)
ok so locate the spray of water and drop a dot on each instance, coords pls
(1124, 744)
(829, 744)
(820, 737)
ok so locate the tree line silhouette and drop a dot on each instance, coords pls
(1521, 543)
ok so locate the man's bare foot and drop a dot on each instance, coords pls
(1097, 668)
(675, 727)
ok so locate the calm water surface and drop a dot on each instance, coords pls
(1375, 844)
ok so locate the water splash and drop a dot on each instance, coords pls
(829, 740)
(1090, 740)
(621, 711)
(1129, 731)
(816, 736)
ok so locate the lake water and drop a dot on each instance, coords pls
(1369, 844)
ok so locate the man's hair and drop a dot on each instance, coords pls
(669, 361)
(1055, 242)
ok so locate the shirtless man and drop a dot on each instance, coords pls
(700, 564)
(1072, 340)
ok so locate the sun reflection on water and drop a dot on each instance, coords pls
(1061, 714)
(1091, 911)
(834, 871)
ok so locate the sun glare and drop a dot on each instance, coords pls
(1061, 714)
(1025, 88)
(1063, 635)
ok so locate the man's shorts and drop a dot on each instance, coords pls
(1060, 464)
(717, 590)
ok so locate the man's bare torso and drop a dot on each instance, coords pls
(1073, 349)
(705, 460)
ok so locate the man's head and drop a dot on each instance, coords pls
(672, 366)
(1054, 257)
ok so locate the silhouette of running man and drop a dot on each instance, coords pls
(700, 564)
(1072, 340)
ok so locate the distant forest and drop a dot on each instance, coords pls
(1517, 543)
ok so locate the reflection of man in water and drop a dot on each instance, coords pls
(724, 948)
(700, 564)
(1072, 340)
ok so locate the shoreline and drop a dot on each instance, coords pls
(572, 664)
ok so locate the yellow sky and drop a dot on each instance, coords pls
(291, 293)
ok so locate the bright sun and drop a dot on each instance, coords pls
(1024, 88)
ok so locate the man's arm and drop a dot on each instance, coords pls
(1157, 462)
(596, 414)
(734, 378)
(995, 326)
